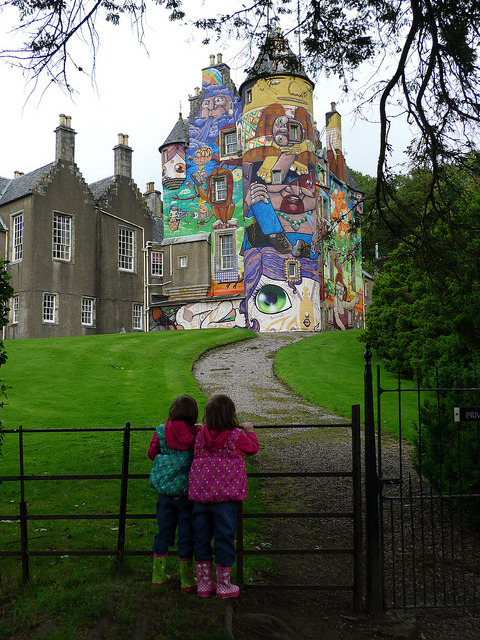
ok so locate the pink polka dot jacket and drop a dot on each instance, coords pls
(218, 472)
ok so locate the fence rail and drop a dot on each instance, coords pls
(122, 516)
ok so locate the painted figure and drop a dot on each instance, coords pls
(281, 293)
(341, 305)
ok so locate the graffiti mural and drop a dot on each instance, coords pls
(199, 315)
(280, 209)
(343, 290)
(210, 195)
(281, 292)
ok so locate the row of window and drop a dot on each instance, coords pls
(50, 311)
(62, 241)
(225, 255)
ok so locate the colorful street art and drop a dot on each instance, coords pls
(199, 315)
(209, 197)
(280, 209)
(343, 292)
(256, 178)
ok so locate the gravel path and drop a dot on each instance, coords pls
(244, 371)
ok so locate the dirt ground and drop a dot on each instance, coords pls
(245, 372)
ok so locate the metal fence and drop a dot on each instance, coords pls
(353, 548)
(422, 551)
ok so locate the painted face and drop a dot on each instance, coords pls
(201, 316)
(295, 197)
(340, 290)
(280, 131)
(174, 172)
(216, 106)
(287, 132)
(277, 307)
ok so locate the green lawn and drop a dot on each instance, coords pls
(328, 369)
(104, 381)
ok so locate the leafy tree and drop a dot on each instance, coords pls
(427, 312)
(6, 292)
(423, 55)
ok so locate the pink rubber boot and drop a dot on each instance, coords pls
(225, 589)
(205, 584)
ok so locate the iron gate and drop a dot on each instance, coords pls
(422, 545)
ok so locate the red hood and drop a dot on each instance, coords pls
(180, 435)
(213, 439)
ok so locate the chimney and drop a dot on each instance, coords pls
(18, 174)
(123, 157)
(212, 60)
(336, 159)
(65, 140)
(153, 198)
(219, 58)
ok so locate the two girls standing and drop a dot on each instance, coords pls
(209, 491)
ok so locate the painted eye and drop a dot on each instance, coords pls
(281, 140)
(180, 168)
(272, 299)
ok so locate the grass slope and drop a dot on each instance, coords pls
(104, 381)
(328, 369)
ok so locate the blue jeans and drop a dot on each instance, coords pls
(173, 512)
(217, 521)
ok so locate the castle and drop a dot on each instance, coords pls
(255, 229)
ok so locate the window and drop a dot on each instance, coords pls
(17, 239)
(294, 133)
(157, 263)
(137, 321)
(292, 269)
(226, 252)
(62, 237)
(126, 249)
(276, 176)
(182, 262)
(248, 96)
(88, 312)
(14, 310)
(50, 308)
(219, 189)
(228, 142)
(164, 156)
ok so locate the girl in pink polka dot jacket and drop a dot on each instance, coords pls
(217, 482)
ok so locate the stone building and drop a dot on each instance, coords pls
(258, 214)
(257, 228)
(76, 252)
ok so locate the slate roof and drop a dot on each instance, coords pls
(179, 133)
(157, 229)
(23, 185)
(98, 188)
(198, 237)
(350, 180)
(275, 58)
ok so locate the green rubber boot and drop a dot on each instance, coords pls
(159, 575)
(188, 580)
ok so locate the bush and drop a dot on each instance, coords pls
(448, 453)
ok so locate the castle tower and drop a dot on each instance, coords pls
(282, 290)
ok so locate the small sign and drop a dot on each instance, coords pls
(466, 414)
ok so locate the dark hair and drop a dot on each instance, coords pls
(184, 408)
(220, 413)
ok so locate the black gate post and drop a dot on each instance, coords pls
(373, 487)
(23, 514)
(122, 516)
(357, 511)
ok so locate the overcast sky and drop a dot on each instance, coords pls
(139, 92)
